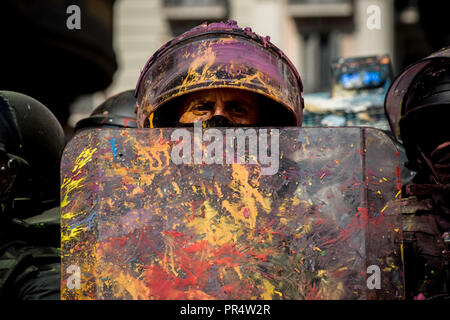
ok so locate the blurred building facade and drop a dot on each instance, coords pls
(311, 33)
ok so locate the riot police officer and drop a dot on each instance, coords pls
(418, 107)
(31, 145)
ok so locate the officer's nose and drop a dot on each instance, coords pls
(219, 109)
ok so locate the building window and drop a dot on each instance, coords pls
(183, 15)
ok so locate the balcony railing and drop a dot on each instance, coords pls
(320, 8)
(317, 1)
(195, 10)
(191, 3)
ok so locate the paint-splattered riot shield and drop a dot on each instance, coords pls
(246, 213)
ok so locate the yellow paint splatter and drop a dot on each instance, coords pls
(137, 190)
(246, 208)
(219, 192)
(278, 293)
(216, 231)
(69, 184)
(126, 284)
(84, 157)
(304, 229)
(175, 186)
(237, 269)
(71, 234)
(268, 290)
(402, 252)
(150, 120)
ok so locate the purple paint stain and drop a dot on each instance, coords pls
(420, 296)
(255, 58)
(246, 213)
(95, 187)
(266, 41)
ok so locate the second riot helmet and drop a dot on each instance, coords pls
(31, 145)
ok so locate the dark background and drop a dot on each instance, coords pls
(41, 57)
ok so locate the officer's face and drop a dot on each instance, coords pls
(238, 106)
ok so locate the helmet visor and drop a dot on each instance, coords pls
(9, 168)
(219, 60)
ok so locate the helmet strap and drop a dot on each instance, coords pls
(426, 163)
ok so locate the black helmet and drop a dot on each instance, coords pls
(116, 111)
(31, 145)
(427, 109)
(418, 104)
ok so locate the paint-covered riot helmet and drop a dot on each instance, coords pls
(214, 56)
(418, 107)
(116, 111)
(31, 145)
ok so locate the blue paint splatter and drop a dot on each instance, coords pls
(301, 138)
(88, 222)
(113, 145)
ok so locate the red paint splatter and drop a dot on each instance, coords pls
(364, 216)
(328, 242)
(201, 245)
(174, 233)
(398, 173)
(313, 294)
(125, 123)
(228, 288)
(185, 216)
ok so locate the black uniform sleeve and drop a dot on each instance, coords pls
(30, 273)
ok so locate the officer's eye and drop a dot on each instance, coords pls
(203, 106)
(236, 107)
(200, 107)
